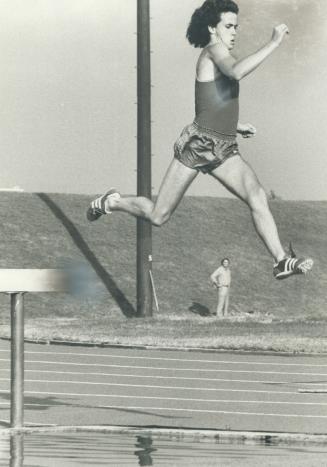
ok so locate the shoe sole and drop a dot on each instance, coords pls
(93, 215)
(306, 266)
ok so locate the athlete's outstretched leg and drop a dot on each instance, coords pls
(239, 178)
(176, 181)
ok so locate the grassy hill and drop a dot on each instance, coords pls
(47, 230)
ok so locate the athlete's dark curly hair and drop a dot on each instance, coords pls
(209, 14)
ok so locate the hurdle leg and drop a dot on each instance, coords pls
(17, 360)
(17, 450)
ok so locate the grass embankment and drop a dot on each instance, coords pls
(44, 231)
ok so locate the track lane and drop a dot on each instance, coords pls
(170, 388)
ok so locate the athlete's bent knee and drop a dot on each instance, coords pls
(158, 219)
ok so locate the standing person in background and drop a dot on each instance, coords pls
(221, 280)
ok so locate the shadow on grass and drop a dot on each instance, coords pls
(126, 307)
(199, 309)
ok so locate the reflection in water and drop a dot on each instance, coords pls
(144, 454)
(17, 450)
(86, 449)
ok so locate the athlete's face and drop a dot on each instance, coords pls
(226, 29)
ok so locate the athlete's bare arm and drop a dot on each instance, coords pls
(238, 69)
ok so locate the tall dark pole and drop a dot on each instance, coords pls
(17, 360)
(144, 229)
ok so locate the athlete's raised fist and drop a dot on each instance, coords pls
(279, 33)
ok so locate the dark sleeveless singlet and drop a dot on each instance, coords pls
(217, 105)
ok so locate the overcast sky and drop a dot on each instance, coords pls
(68, 94)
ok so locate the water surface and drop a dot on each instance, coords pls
(102, 449)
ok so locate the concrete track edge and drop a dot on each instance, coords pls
(185, 435)
(168, 348)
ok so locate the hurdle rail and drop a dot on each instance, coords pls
(16, 283)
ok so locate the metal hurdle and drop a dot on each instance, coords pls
(16, 283)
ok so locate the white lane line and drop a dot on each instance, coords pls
(73, 354)
(165, 409)
(184, 388)
(179, 399)
(186, 378)
(214, 411)
(106, 365)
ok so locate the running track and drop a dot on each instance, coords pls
(69, 385)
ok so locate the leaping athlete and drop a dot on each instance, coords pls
(209, 145)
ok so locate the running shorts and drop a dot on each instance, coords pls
(204, 149)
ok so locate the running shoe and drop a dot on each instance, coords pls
(97, 207)
(291, 265)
